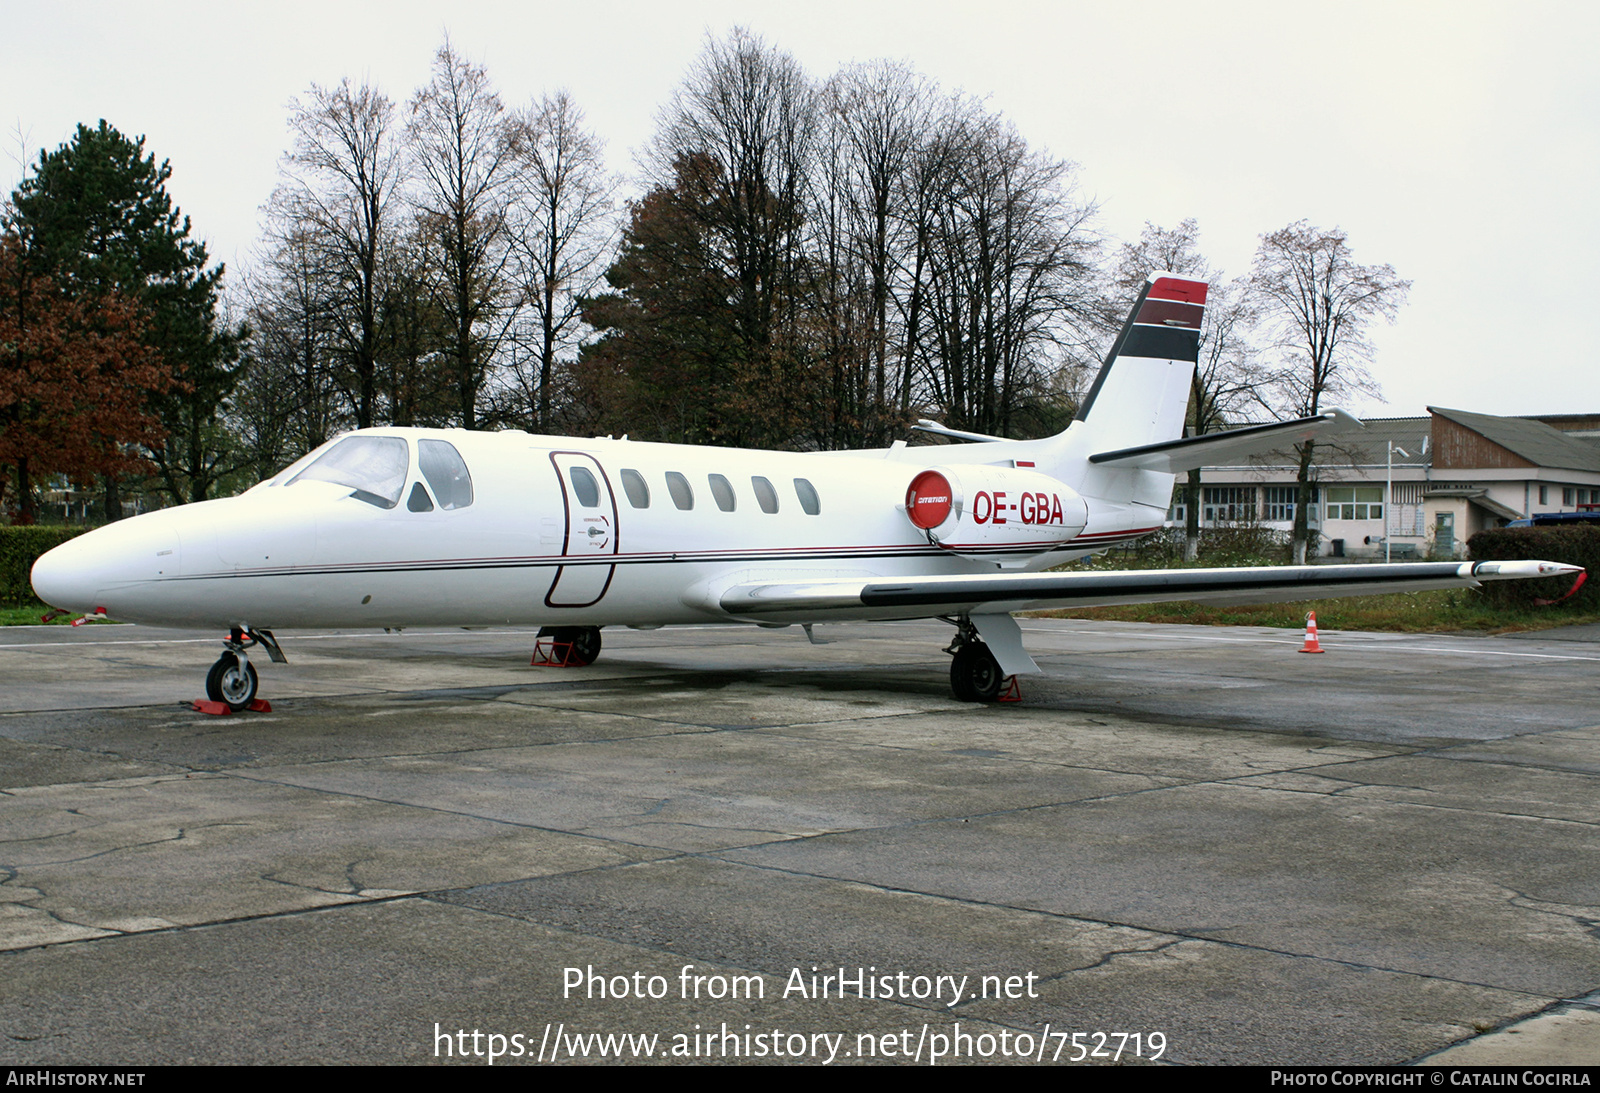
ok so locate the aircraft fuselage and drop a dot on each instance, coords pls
(533, 548)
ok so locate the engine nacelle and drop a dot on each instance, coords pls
(994, 510)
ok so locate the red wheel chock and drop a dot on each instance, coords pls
(1012, 693)
(553, 654)
(222, 709)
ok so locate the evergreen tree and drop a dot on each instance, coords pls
(95, 216)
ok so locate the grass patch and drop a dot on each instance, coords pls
(33, 615)
(1450, 610)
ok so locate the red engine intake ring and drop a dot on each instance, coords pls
(929, 499)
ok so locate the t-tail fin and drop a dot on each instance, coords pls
(1141, 395)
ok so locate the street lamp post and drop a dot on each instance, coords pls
(1388, 501)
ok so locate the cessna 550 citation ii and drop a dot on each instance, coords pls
(392, 527)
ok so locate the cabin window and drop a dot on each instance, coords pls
(419, 501)
(637, 489)
(446, 473)
(766, 496)
(722, 490)
(808, 497)
(373, 466)
(584, 485)
(678, 486)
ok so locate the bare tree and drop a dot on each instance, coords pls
(290, 399)
(1318, 304)
(335, 208)
(563, 232)
(742, 125)
(464, 155)
(1228, 376)
(1011, 284)
(875, 118)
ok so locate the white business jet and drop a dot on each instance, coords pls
(392, 527)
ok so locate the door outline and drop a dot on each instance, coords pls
(579, 534)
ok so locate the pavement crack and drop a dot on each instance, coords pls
(179, 837)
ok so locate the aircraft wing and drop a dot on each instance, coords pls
(984, 594)
(1233, 447)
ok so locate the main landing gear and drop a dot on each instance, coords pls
(232, 679)
(566, 646)
(975, 675)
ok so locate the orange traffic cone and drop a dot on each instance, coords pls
(1311, 645)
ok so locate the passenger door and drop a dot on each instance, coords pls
(590, 533)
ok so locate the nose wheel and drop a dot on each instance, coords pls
(232, 680)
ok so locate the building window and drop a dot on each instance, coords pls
(1544, 495)
(1566, 495)
(1277, 503)
(1355, 502)
(1229, 504)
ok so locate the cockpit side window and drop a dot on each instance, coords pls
(374, 466)
(446, 472)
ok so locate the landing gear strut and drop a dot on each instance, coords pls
(975, 675)
(232, 679)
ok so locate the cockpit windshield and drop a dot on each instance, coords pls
(374, 466)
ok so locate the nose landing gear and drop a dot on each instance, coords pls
(232, 680)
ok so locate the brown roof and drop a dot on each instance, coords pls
(1533, 441)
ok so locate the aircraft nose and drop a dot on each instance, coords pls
(99, 567)
(65, 577)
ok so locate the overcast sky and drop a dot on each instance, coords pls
(1458, 142)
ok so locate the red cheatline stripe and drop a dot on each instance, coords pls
(1171, 288)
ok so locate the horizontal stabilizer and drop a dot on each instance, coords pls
(923, 425)
(918, 597)
(1231, 448)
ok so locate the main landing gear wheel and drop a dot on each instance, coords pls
(232, 679)
(585, 641)
(975, 675)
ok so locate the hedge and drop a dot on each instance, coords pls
(19, 548)
(1574, 545)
